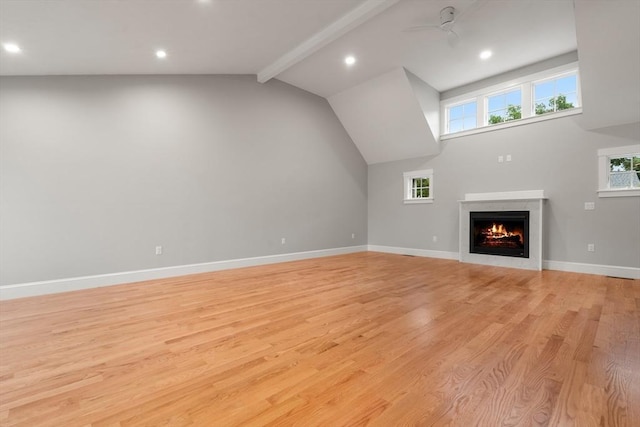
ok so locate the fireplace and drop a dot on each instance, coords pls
(504, 233)
(496, 204)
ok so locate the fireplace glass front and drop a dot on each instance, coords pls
(504, 233)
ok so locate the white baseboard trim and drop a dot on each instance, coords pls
(414, 252)
(573, 267)
(22, 290)
(77, 283)
(602, 270)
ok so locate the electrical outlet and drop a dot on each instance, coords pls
(500, 159)
(508, 157)
(283, 241)
(589, 206)
(353, 235)
(435, 238)
(591, 247)
(158, 250)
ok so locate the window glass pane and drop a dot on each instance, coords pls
(470, 109)
(572, 98)
(470, 122)
(455, 112)
(566, 85)
(496, 117)
(636, 168)
(514, 97)
(544, 105)
(620, 164)
(455, 125)
(426, 180)
(620, 179)
(425, 192)
(496, 102)
(504, 107)
(543, 90)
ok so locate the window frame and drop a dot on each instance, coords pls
(408, 178)
(604, 169)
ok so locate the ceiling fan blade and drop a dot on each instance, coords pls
(453, 38)
(420, 28)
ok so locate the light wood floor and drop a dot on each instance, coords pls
(361, 339)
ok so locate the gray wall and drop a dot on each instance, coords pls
(97, 171)
(557, 156)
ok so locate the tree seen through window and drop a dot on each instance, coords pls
(420, 187)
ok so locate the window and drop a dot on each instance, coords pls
(619, 171)
(560, 93)
(418, 186)
(462, 117)
(544, 95)
(624, 172)
(504, 107)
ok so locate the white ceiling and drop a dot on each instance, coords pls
(120, 36)
(519, 32)
(247, 36)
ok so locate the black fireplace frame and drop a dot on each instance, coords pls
(499, 216)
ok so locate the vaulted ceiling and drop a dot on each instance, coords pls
(252, 36)
(304, 42)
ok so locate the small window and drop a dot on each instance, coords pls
(418, 186)
(556, 94)
(624, 172)
(619, 171)
(504, 107)
(462, 117)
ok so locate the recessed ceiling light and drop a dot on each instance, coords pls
(485, 54)
(161, 54)
(11, 47)
(350, 60)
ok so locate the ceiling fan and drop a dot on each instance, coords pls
(448, 17)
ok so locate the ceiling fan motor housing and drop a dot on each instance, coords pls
(447, 17)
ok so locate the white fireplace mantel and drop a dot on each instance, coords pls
(530, 200)
(504, 195)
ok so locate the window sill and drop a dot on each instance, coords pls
(417, 201)
(513, 123)
(623, 192)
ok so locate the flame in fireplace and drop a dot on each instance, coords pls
(499, 231)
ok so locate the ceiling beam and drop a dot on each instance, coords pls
(365, 11)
